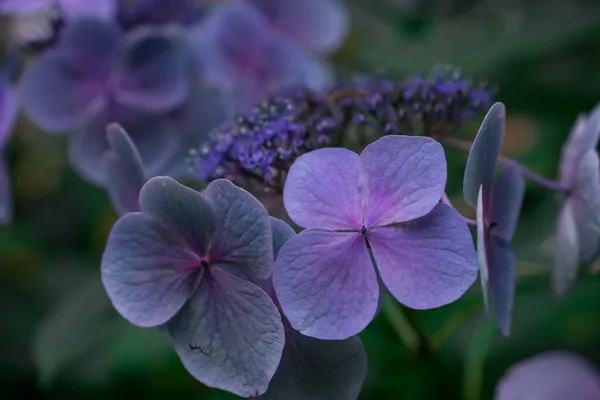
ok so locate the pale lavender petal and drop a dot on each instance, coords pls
(22, 6)
(124, 171)
(556, 375)
(428, 262)
(242, 239)
(6, 200)
(58, 98)
(583, 137)
(405, 178)
(322, 190)
(101, 9)
(326, 283)
(506, 201)
(156, 141)
(318, 369)
(318, 25)
(152, 73)
(586, 205)
(484, 154)
(8, 110)
(482, 256)
(148, 270)
(229, 336)
(183, 209)
(566, 250)
(503, 275)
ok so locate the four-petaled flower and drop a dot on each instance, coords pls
(240, 53)
(187, 261)
(578, 226)
(386, 200)
(95, 76)
(498, 205)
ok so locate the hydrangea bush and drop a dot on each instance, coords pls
(239, 95)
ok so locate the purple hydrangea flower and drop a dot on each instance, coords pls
(318, 25)
(187, 261)
(555, 375)
(102, 9)
(96, 76)
(8, 117)
(578, 226)
(124, 170)
(498, 206)
(387, 200)
(312, 368)
(240, 53)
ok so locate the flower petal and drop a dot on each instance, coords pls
(19, 7)
(101, 9)
(181, 208)
(405, 178)
(229, 336)
(586, 205)
(502, 275)
(555, 375)
(152, 73)
(318, 369)
(8, 109)
(242, 237)
(124, 171)
(506, 201)
(322, 190)
(56, 97)
(326, 283)
(281, 232)
(148, 269)
(566, 250)
(6, 200)
(484, 153)
(428, 262)
(482, 256)
(154, 138)
(584, 136)
(318, 25)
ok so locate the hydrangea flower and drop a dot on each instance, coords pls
(554, 375)
(387, 199)
(240, 53)
(187, 261)
(124, 170)
(103, 9)
(8, 117)
(578, 226)
(312, 368)
(498, 206)
(95, 76)
(318, 25)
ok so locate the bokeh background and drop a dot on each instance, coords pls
(61, 339)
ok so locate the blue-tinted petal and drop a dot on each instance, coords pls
(154, 138)
(506, 201)
(229, 336)
(6, 200)
(148, 269)
(58, 98)
(583, 137)
(428, 262)
(8, 109)
(503, 275)
(152, 73)
(101, 9)
(586, 205)
(566, 250)
(482, 242)
(318, 25)
(318, 369)
(556, 375)
(326, 283)
(484, 153)
(242, 238)
(181, 208)
(124, 171)
(281, 232)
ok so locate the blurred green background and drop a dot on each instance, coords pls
(60, 339)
